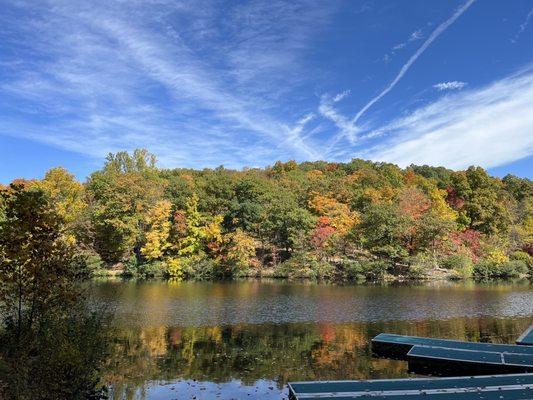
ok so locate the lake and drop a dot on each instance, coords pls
(233, 340)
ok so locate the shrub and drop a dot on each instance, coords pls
(525, 258)
(461, 264)
(282, 270)
(321, 270)
(522, 256)
(93, 263)
(155, 269)
(487, 269)
(130, 267)
(350, 271)
(135, 269)
(174, 268)
(199, 267)
(419, 266)
(304, 266)
(93, 260)
(375, 270)
(513, 269)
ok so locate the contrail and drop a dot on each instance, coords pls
(441, 28)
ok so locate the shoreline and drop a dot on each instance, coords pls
(439, 275)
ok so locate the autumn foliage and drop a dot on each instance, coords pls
(330, 216)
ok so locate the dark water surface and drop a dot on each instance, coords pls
(234, 340)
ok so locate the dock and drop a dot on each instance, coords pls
(454, 362)
(526, 339)
(497, 371)
(453, 357)
(398, 346)
(497, 387)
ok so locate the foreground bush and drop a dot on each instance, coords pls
(461, 264)
(490, 270)
(525, 258)
(304, 266)
(53, 342)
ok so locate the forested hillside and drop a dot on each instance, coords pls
(343, 221)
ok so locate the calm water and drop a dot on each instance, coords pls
(247, 339)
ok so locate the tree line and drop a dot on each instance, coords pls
(341, 221)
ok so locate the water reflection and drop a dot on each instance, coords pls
(247, 339)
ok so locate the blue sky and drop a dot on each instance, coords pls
(208, 83)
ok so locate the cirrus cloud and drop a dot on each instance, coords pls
(489, 126)
(452, 85)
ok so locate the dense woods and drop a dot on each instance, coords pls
(342, 221)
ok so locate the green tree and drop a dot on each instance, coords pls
(215, 189)
(286, 224)
(247, 206)
(382, 231)
(485, 202)
(519, 188)
(121, 196)
(123, 163)
(131, 210)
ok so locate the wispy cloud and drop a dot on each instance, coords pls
(294, 134)
(452, 85)
(338, 97)
(399, 46)
(350, 127)
(489, 126)
(434, 35)
(202, 84)
(346, 127)
(416, 35)
(167, 75)
(523, 26)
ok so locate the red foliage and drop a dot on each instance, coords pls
(332, 166)
(322, 232)
(413, 203)
(453, 200)
(179, 223)
(410, 178)
(528, 248)
(469, 239)
(327, 332)
(213, 247)
(175, 336)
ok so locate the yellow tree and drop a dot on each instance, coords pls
(195, 234)
(66, 193)
(339, 214)
(439, 206)
(239, 250)
(158, 220)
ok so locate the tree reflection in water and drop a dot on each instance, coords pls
(258, 359)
